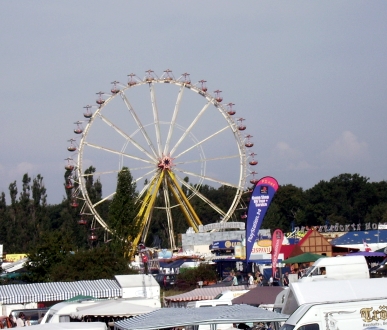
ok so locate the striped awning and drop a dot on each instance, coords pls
(58, 291)
(181, 317)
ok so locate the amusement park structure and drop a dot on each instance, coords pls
(173, 136)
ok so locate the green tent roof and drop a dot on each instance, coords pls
(305, 257)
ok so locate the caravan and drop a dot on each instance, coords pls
(337, 268)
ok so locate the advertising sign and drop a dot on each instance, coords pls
(277, 239)
(260, 200)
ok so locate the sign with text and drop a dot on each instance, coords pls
(260, 200)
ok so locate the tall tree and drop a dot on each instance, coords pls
(122, 211)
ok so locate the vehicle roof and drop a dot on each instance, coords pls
(336, 290)
(340, 260)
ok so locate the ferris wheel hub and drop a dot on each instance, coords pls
(165, 163)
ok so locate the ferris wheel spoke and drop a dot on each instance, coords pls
(155, 117)
(173, 121)
(126, 136)
(117, 152)
(202, 141)
(202, 197)
(145, 175)
(139, 124)
(206, 159)
(205, 177)
(104, 199)
(169, 213)
(190, 127)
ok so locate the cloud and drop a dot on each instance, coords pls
(21, 169)
(289, 158)
(347, 148)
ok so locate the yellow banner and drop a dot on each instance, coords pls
(14, 257)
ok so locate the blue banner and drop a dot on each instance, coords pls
(260, 200)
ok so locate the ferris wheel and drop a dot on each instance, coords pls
(174, 137)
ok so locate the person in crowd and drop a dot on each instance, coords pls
(11, 322)
(276, 278)
(286, 279)
(234, 279)
(28, 321)
(250, 279)
(20, 321)
(258, 278)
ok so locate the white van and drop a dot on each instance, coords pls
(343, 315)
(301, 293)
(337, 268)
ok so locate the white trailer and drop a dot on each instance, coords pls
(300, 293)
(343, 315)
(337, 268)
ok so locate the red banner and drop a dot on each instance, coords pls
(276, 241)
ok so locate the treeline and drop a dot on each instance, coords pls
(27, 219)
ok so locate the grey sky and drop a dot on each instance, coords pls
(308, 76)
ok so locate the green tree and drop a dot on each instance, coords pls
(98, 263)
(122, 211)
(51, 251)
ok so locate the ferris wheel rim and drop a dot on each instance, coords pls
(231, 125)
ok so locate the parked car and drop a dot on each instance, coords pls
(166, 281)
(379, 270)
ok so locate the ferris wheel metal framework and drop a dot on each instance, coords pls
(162, 163)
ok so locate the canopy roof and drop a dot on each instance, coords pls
(207, 293)
(175, 317)
(115, 308)
(305, 257)
(367, 254)
(258, 296)
(57, 291)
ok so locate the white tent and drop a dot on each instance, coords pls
(114, 308)
(72, 326)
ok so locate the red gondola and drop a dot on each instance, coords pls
(115, 90)
(187, 79)
(241, 127)
(88, 113)
(93, 237)
(74, 204)
(69, 166)
(78, 129)
(230, 110)
(244, 216)
(248, 143)
(149, 77)
(254, 181)
(167, 76)
(218, 98)
(69, 185)
(131, 82)
(82, 222)
(203, 85)
(72, 147)
(253, 161)
(100, 100)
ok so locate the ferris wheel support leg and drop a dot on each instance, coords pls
(185, 200)
(143, 216)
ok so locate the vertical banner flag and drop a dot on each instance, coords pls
(261, 197)
(276, 243)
